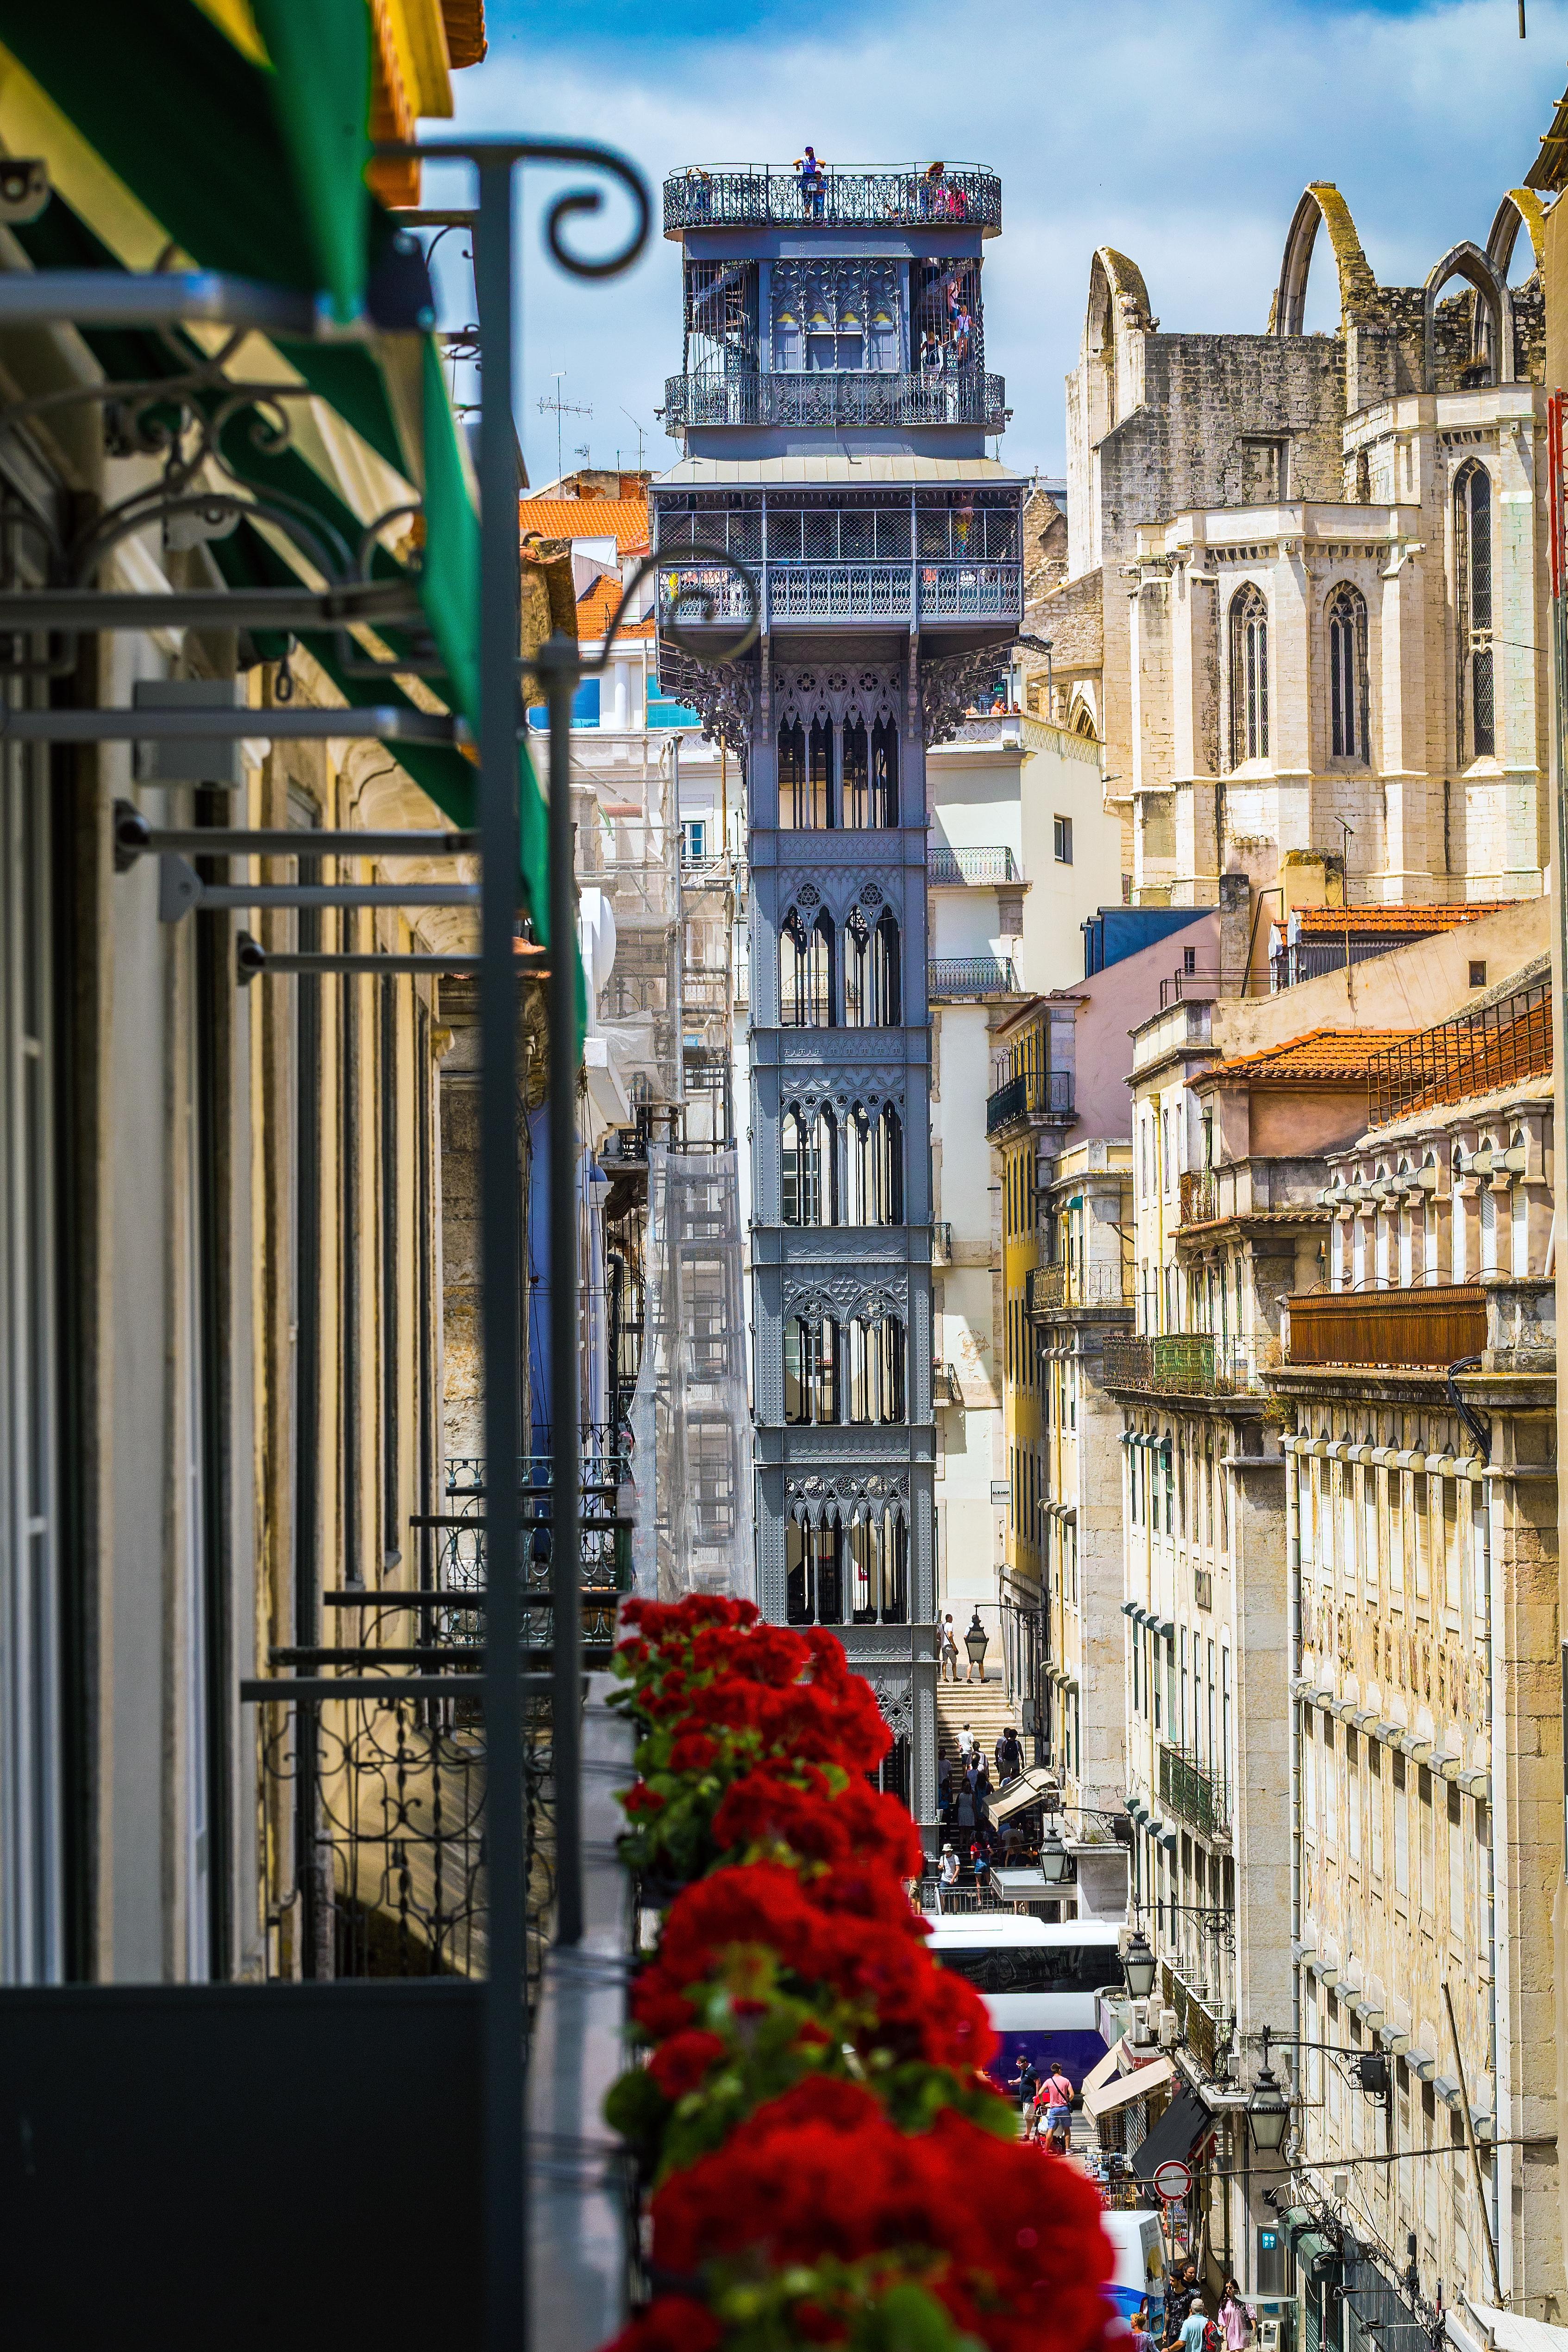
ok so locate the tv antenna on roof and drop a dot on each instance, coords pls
(560, 406)
(626, 413)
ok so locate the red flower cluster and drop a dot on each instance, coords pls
(1015, 2253)
(819, 2213)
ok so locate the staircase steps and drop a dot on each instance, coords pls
(985, 1707)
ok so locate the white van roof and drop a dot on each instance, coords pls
(989, 1927)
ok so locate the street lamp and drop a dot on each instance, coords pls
(977, 1641)
(1139, 1966)
(1268, 2110)
(1053, 1856)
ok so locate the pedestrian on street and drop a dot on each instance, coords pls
(949, 1649)
(1238, 2321)
(944, 1785)
(1195, 2325)
(1055, 2098)
(1141, 2339)
(946, 1874)
(965, 1737)
(1025, 2084)
(1009, 1755)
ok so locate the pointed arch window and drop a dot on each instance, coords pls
(870, 774)
(806, 971)
(805, 775)
(1248, 677)
(809, 1173)
(871, 991)
(811, 1371)
(874, 1369)
(878, 1568)
(814, 1573)
(873, 1166)
(1476, 720)
(1347, 674)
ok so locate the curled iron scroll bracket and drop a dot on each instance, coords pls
(567, 207)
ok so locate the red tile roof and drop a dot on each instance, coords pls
(1382, 922)
(1322, 1057)
(625, 520)
(596, 608)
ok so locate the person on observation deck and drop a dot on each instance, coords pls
(812, 175)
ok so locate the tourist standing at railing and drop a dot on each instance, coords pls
(811, 176)
(930, 352)
(946, 1875)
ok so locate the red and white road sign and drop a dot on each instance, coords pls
(1172, 2180)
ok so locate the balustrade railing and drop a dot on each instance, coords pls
(697, 595)
(728, 197)
(952, 869)
(1181, 1363)
(1200, 1197)
(1496, 1045)
(970, 976)
(964, 395)
(1037, 1094)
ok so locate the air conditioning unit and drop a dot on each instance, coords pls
(1170, 2029)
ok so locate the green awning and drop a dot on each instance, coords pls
(256, 166)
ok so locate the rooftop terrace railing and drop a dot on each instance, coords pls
(737, 195)
(1496, 1045)
(832, 399)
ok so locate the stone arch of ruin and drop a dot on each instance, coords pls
(1321, 205)
(1520, 208)
(1466, 260)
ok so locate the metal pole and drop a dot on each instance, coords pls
(1475, 2154)
(559, 665)
(501, 1261)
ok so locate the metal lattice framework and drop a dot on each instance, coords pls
(913, 194)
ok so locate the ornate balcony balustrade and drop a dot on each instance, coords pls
(1200, 1197)
(1037, 1094)
(1181, 1363)
(833, 398)
(1390, 1327)
(911, 194)
(1050, 1289)
(1193, 1792)
(963, 977)
(978, 869)
(699, 596)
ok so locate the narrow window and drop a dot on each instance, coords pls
(884, 803)
(871, 990)
(811, 1371)
(1476, 728)
(856, 774)
(814, 1574)
(1347, 673)
(875, 1368)
(1248, 677)
(805, 972)
(1061, 834)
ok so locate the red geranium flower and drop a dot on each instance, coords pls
(682, 2062)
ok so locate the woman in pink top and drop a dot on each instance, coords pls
(1235, 2318)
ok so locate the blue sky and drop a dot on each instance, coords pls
(1181, 130)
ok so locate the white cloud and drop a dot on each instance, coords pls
(1182, 134)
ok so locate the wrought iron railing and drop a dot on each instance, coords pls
(833, 399)
(1045, 1287)
(1434, 1326)
(948, 869)
(1035, 1094)
(1051, 1287)
(1193, 1793)
(916, 193)
(970, 976)
(1496, 1045)
(697, 595)
(1181, 1363)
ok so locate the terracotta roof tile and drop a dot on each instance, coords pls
(624, 519)
(1321, 1057)
(1384, 922)
(595, 610)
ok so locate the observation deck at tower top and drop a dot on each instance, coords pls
(899, 195)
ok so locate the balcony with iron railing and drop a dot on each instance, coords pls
(1253, 1187)
(1034, 1096)
(744, 195)
(1061, 1287)
(1412, 1329)
(835, 398)
(942, 1243)
(1193, 1792)
(969, 869)
(1181, 1363)
(968, 978)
